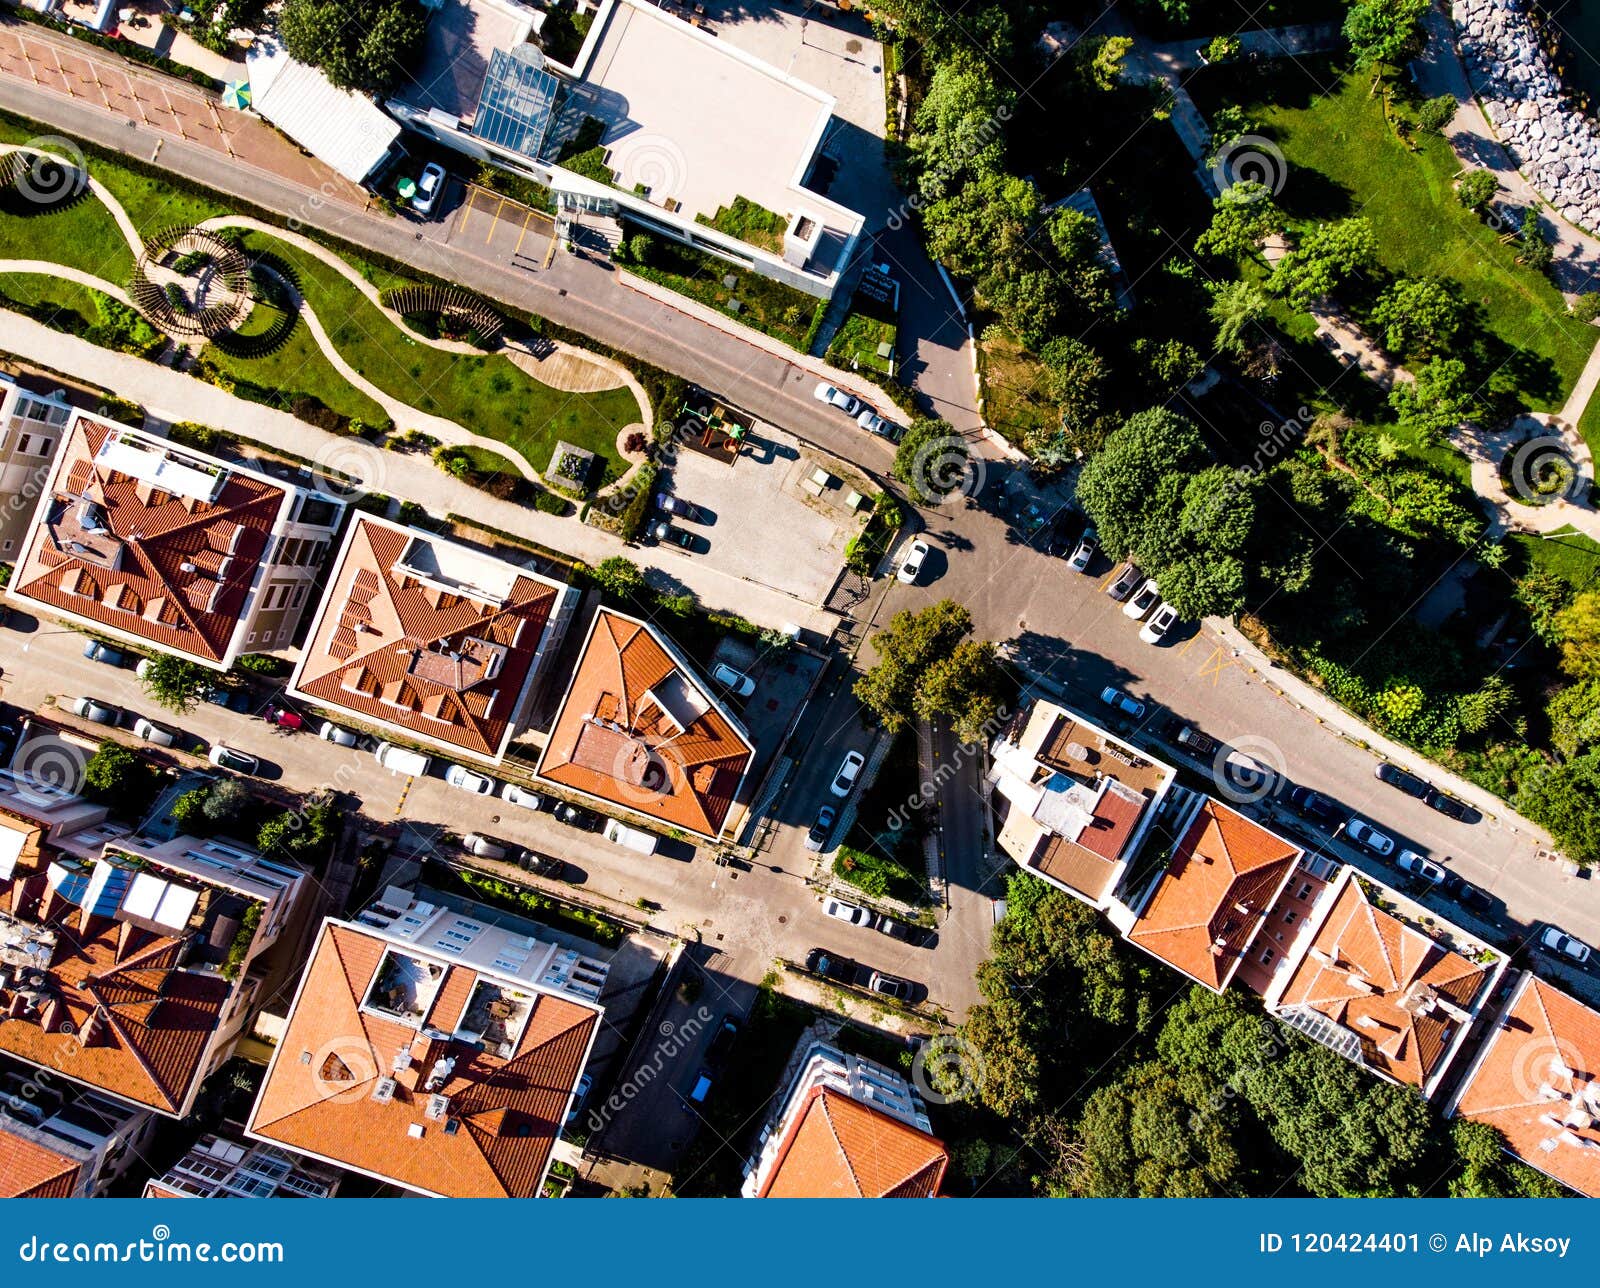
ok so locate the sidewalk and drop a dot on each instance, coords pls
(1348, 726)
(173, 396)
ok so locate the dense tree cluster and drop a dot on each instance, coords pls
(927, 668)
(368, 45)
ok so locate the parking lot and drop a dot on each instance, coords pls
(756, 520)
(492, 227)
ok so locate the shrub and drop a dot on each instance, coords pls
(641, 249)
(189, 812)
(635, 442)
(261, 664)
(1437, 113)
(1586, 308)
(1477, 189)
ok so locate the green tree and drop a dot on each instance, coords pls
(1543, 595)
(1242, 217)
(958, 131)
(1121, 488)
(1532, 248)
(1239, 308)
(1437, 113)
(1105, 66)
(1074, 377)
(1417, 315)
(188, 812)
(366, 45)
(304, 835)
(1488, 1172)
(1574, 715)
(984, 221)
(931, 460)
(1437, 401)
(1586, 308)
(1476, 188)
(1204, 585)
(968, 686)
(1385, 33)
(119, 778)
(1328, 256)
(226, 801)
(907, 648)
(621, 577)
(175, 682)
(1561, 797)
(1578, 627)
(1171, 362)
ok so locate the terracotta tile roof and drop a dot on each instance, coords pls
(1221, 880)
(840, 1148)
(639, 730)
(128, 1020)
(1075, 866)
(394, 647)
(28, 1170)
(503, 1115)
(171, 569)
(1387, 983)
(1537, 1079)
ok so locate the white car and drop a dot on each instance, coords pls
(849, 771)
(241, 762)
(1412, 862)
(1155, 630)
(94, 710)
(1369, 838)
(430, 183)
(1564, 945)
(150, 731)
(911, 565)
(842, 911)
(331, 732)
(464, 779)
(1122, 702)
(1083, 556)
(849, 404)
(873, 423)
(738, 681)
(1142, 600)
(514, 795)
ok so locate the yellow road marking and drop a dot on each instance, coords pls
(1190, 642)
(466, 209)
(1219, 661)
(494, 221)
(404, 792)
(1107, 580)
(522, 234)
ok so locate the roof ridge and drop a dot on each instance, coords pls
(833, 1131)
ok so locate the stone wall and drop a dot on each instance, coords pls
(1554, 145)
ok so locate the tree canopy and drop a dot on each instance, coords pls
(928, 668)
(175, 682)
(1385, 33)
(367, 45)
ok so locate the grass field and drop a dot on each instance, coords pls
(855, 344)
(486, 393)
(37, 291)
(82, 235)
(1014, 400)
(1572, 557)
(1344, 160)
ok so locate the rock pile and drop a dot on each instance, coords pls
(1553, 144)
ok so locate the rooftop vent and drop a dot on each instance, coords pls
(383, 1090)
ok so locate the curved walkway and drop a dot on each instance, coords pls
(49, 268)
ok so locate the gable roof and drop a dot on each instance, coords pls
(1537, 1080)
(1401, 996)
(640, 730)
(166, 555)
(840, 1148)
(400, 642)
(1208, 904)
(129, 1020)
(29, 1170)
(503, 1114)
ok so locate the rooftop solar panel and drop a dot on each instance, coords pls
(516, 103)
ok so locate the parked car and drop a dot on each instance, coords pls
(401, 760)
(1130, 707)
(1127, 580)
(741, 684)
(150, 731)
(839, 910)
(1468, 895)
(1362, 833)
(430, 183)
(576, 816)
(241, 762)
(1319, 809)
(1412, 863)
(330, 732)
(847, 403)
(668, 535)
(230, 699)
(873, 423)
(1450, 807)
(890, 986)
(541, 865)
(1410, 784)
(631, 838)
(521, 796)
(832, 966)
(1564, 945)
(817, 837)
(580, 1093)
(1083, 553)
(484, 847)
(911, 566)
(849, 771)
(1195, 742)
(468, 780)
(95, 651)
(1142, 600)
(94, 710)
(1161, 621)
(677, 507)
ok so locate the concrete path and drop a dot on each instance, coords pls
(174, 396)
(49, 268)
(1273, 42)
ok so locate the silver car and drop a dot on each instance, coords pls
(94, 710)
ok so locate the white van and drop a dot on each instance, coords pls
(630, 837)
(401, 760)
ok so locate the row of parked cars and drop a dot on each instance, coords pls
(858, 411)
(844, 971)
(1140, 596)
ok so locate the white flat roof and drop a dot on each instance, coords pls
(699, 120)
(348, 131)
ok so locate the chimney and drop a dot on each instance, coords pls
(93, 1028)
(55, 1013)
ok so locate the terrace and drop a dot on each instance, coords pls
(404, 988)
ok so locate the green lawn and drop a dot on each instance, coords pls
(1589, 425)
(1344, 159)
(82, 235)
(857, 342)
(749, 222)
(33, 290)
(1572, 557)
(486, 393)
(1014, 399)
